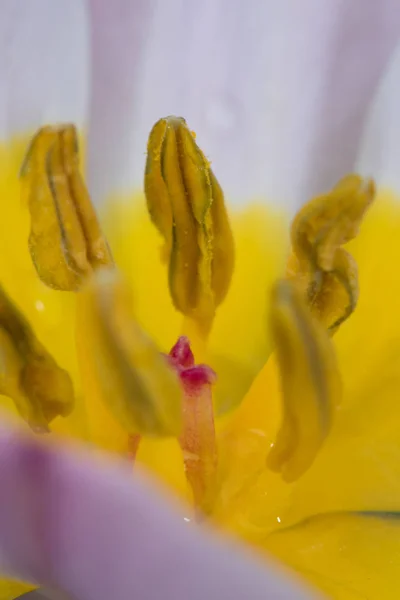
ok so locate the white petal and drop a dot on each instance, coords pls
(380, 148)
(44, 63)
(276, 91)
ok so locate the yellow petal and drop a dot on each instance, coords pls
(363, 451)
(10, 589)
(348, 556)
(358, 466)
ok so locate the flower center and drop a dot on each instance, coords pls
(148, 393)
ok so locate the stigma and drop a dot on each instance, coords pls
(198, 439)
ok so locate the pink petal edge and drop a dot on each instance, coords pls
(82, 524)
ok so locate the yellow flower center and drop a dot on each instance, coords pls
(153, 404)
(186, 204)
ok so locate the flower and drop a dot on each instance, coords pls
(287, 428)
(336, 480)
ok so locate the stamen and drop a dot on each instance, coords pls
(65, 242)
(310, 382)
(30, 376)
(198, 441)
(326, 273)
(186, 204)
(141, 391)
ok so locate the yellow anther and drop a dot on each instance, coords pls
(137, 385)
(310, 382)
(186, 204)
(325, 271)
(66, 242)
(40, 389)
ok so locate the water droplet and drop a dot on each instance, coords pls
(39, 305)
(278, 519)
(186, 519)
